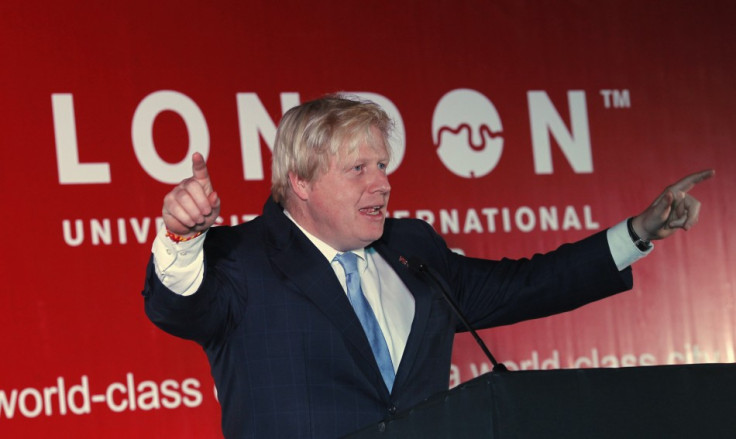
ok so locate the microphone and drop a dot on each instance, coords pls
(421, 267)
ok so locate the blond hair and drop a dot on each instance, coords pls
(310, 134)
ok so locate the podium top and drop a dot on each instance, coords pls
(637, 402)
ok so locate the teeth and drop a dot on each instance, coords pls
(371, 210)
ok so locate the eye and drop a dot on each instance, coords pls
(382, 166)
(358, 168)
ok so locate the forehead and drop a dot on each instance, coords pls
(368, 142)
(363, 152)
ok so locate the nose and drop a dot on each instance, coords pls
(379, 182)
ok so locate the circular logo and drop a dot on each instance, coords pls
(466, 131)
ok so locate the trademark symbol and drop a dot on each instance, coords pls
(616, 98)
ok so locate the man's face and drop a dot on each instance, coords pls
(346, 205)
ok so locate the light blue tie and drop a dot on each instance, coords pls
(349, 262)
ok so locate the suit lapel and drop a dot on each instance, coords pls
(291, 253)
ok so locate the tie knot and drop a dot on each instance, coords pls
(349, 262)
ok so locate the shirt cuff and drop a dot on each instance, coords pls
(179, 266)
(623, 249)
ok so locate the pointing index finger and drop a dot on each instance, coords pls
(199, 167)
(691, 180)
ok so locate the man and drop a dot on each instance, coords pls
(287, 306)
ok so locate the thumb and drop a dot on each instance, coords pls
(663, 205)
(678, 215)
(199, 167)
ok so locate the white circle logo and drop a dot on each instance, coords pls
(466, 131)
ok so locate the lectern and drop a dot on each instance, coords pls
(691, 401)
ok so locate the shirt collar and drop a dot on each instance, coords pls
(322, 246)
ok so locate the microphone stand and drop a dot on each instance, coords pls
(431, 274)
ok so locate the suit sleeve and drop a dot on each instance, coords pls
(214, 309)
(494, 293)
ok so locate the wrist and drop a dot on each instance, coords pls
(182, 238)
(642, 244)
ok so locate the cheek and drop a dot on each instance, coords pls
(334, 212)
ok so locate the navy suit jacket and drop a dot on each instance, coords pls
(287, 352)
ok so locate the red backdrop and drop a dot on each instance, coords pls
(523, 126)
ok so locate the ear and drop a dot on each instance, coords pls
(300, 186)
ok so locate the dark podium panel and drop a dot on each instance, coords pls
(694, 401)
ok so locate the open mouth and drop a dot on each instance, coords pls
(374, 211)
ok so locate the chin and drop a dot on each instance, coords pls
(376, 235)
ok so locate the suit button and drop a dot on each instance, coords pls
(392, 410)
(381, 427)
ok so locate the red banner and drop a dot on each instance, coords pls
(520, 126)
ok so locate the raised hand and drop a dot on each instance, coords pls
(674, 209)
(193, 205)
